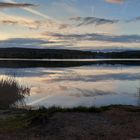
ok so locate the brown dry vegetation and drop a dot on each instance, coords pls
(11, 92)
(107, 123)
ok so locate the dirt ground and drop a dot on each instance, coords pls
(118, 123)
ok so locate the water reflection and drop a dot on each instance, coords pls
(30, 63)
(84, 85)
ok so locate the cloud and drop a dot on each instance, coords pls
(38, 43)
(48, 22)
(29, 9)
(23, 43)
(102, 77)
(98, 37)
(6, 19)
(133, 19)
(20, 21)
(92, 20)
(14, 5)
(29, 24)
(115, 1)
(36, 12)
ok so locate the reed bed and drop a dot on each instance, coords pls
(11, 92)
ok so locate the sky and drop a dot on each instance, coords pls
(70, 24)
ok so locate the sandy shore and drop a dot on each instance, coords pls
(113, 123)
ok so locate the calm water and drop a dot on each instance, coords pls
(79, 85)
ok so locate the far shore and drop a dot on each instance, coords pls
(32, 53)
(116, 122)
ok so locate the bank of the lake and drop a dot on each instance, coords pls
(32, 53)
(105, 123)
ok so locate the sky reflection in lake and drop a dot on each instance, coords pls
(94, 85)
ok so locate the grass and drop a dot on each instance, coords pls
(11, 92)
(75, 109)
(23, 119)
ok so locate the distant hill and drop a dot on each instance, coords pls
(64, 54)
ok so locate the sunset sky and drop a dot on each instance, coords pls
(70, 24)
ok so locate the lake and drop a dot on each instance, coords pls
(76, 83)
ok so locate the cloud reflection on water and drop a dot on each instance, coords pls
(86, 85)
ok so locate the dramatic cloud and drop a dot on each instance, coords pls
(115, 1)
(92, 20)
(14, 5)
(99, 37)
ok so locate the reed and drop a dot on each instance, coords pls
(11, 92)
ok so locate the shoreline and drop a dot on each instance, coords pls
(109, 122)
(34, 53)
